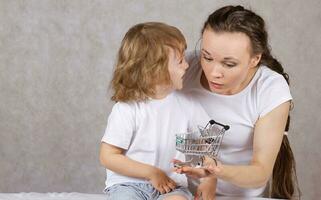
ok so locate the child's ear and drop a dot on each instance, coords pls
(255, 60)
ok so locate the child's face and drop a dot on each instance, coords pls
(177, 66)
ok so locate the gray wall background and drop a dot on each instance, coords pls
(56, 59)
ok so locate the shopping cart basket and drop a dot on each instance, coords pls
(204, 142)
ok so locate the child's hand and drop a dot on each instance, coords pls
(161, 181)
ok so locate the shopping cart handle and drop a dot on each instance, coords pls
(226, 127)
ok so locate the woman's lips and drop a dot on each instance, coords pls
(216, 85)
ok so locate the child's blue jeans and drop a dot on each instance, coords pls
(142, 191)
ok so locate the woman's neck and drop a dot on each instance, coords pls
(248, 79)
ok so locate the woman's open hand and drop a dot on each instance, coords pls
(209, 169)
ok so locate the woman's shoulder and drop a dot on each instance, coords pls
(269, 79)
(269, 73)
(271, 90)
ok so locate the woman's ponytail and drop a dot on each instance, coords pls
(284, 178)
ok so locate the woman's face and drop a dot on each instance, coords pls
(227, 62)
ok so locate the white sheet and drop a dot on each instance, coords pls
(78, 196)
(51, 196)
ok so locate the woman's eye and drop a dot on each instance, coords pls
(207, 59)
(230, 65)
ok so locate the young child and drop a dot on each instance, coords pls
(139, 141)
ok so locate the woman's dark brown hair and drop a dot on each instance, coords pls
(239, 19)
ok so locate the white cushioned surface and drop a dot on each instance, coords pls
(78, 196)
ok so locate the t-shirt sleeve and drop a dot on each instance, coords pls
(120, 126)
(273, 92)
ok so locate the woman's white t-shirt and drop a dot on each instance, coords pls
(266, 91)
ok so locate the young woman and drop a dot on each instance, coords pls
(238, 82)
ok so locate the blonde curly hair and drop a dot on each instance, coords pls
(142, 61)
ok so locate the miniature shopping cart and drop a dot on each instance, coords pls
(204, 142)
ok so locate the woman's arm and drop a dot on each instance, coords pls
(112, 158)
(268, 134)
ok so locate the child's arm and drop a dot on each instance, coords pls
(112, 157)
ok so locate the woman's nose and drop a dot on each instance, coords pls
(216, 71)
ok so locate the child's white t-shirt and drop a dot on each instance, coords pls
(146, 130)
(266, 91)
